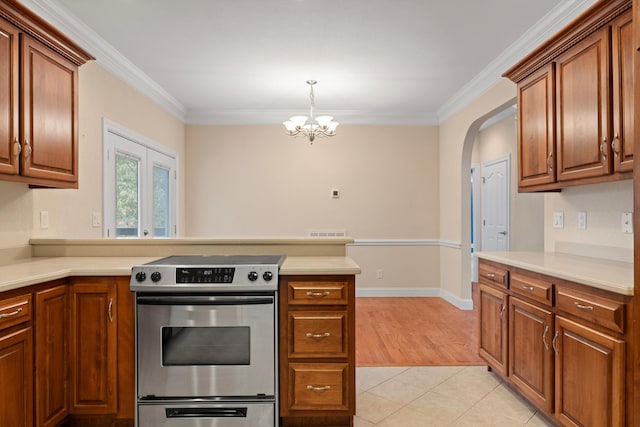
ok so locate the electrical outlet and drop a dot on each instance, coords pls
(627, 222)
(558, 220)
(582, 220)
(96, 220)
(44, 219)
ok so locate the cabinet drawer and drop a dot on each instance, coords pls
(493, 275)
(318, 293)
(318, 334)
(598, 310)
(14, 311)
(318, 386)
(531, 287)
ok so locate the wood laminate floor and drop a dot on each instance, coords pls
(414, 332)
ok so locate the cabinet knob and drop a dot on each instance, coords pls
(27, 149)
(17, 148)
(603, 147)
(616, 151)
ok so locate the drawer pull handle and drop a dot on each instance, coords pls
(502, 309)
(324, 335)
(528, 288)
(549, 158)
(320, 388)
(583, 307)
(318, 294)
(491, 275)
(553, 343)
(13, 313)
(544, 337)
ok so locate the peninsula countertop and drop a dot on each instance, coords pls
(614, 276)
(31, 271)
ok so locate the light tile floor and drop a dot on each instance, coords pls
(438, 396)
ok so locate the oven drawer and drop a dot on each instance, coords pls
(238, 414)
(318, 386)
(14, 311)
(318, 334)
(318, 293)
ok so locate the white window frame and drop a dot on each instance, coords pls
(150, 153)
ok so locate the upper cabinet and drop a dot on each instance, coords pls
(38, 100)
(575, 103)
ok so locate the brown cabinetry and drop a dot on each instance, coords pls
(38, 100)
(16, 361)
(51, 356)
(565, 341)
(93, 346)
(575, 109)
(589, 376)
(317, 350)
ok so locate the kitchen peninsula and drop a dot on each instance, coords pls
(65, 309)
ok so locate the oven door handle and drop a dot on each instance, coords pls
(202, 300)
(206, 412)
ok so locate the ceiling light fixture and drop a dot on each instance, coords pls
(311, 127)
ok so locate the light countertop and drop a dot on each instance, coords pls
(614, 276)
(32, 271)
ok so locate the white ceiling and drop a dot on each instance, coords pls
(246, 61)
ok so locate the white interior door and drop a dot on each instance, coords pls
(495, 204)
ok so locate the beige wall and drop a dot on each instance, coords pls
(604, 205)
(256, 181)
(527, 209)
(457, 135)
(103, 95)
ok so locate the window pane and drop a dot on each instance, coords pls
(127, 196)
(161, 220)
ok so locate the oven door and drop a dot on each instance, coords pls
(206, 414)
(205, 346)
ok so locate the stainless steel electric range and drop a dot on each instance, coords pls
(206, 350)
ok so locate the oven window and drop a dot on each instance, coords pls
(188, 346)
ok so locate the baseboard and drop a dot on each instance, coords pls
(462, 304)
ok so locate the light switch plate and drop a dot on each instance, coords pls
(558, 220)
(44, 220)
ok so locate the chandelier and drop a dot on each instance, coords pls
(311, 127)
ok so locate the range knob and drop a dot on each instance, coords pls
(267, 276)
(156, 276)
(253, 276)
(141, 276)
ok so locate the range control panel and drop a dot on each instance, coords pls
(205, 275)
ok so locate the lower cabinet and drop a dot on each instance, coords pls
(51, 356)
(317, 350)
(566, 345)
(492, 312)
(530, 353)
(16, 374)
(590, 373)
(93, 346)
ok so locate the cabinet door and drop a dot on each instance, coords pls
(622, 55)
(536, 137)
(9, 144)
(16, 374)
(530, 353)
(582, 109)
(52, 394)
(49, 114)
(93, 352)
(590, 371)
(492, 313)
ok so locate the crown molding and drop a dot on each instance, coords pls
(551, 23)
(108, 57)
(121, 67)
